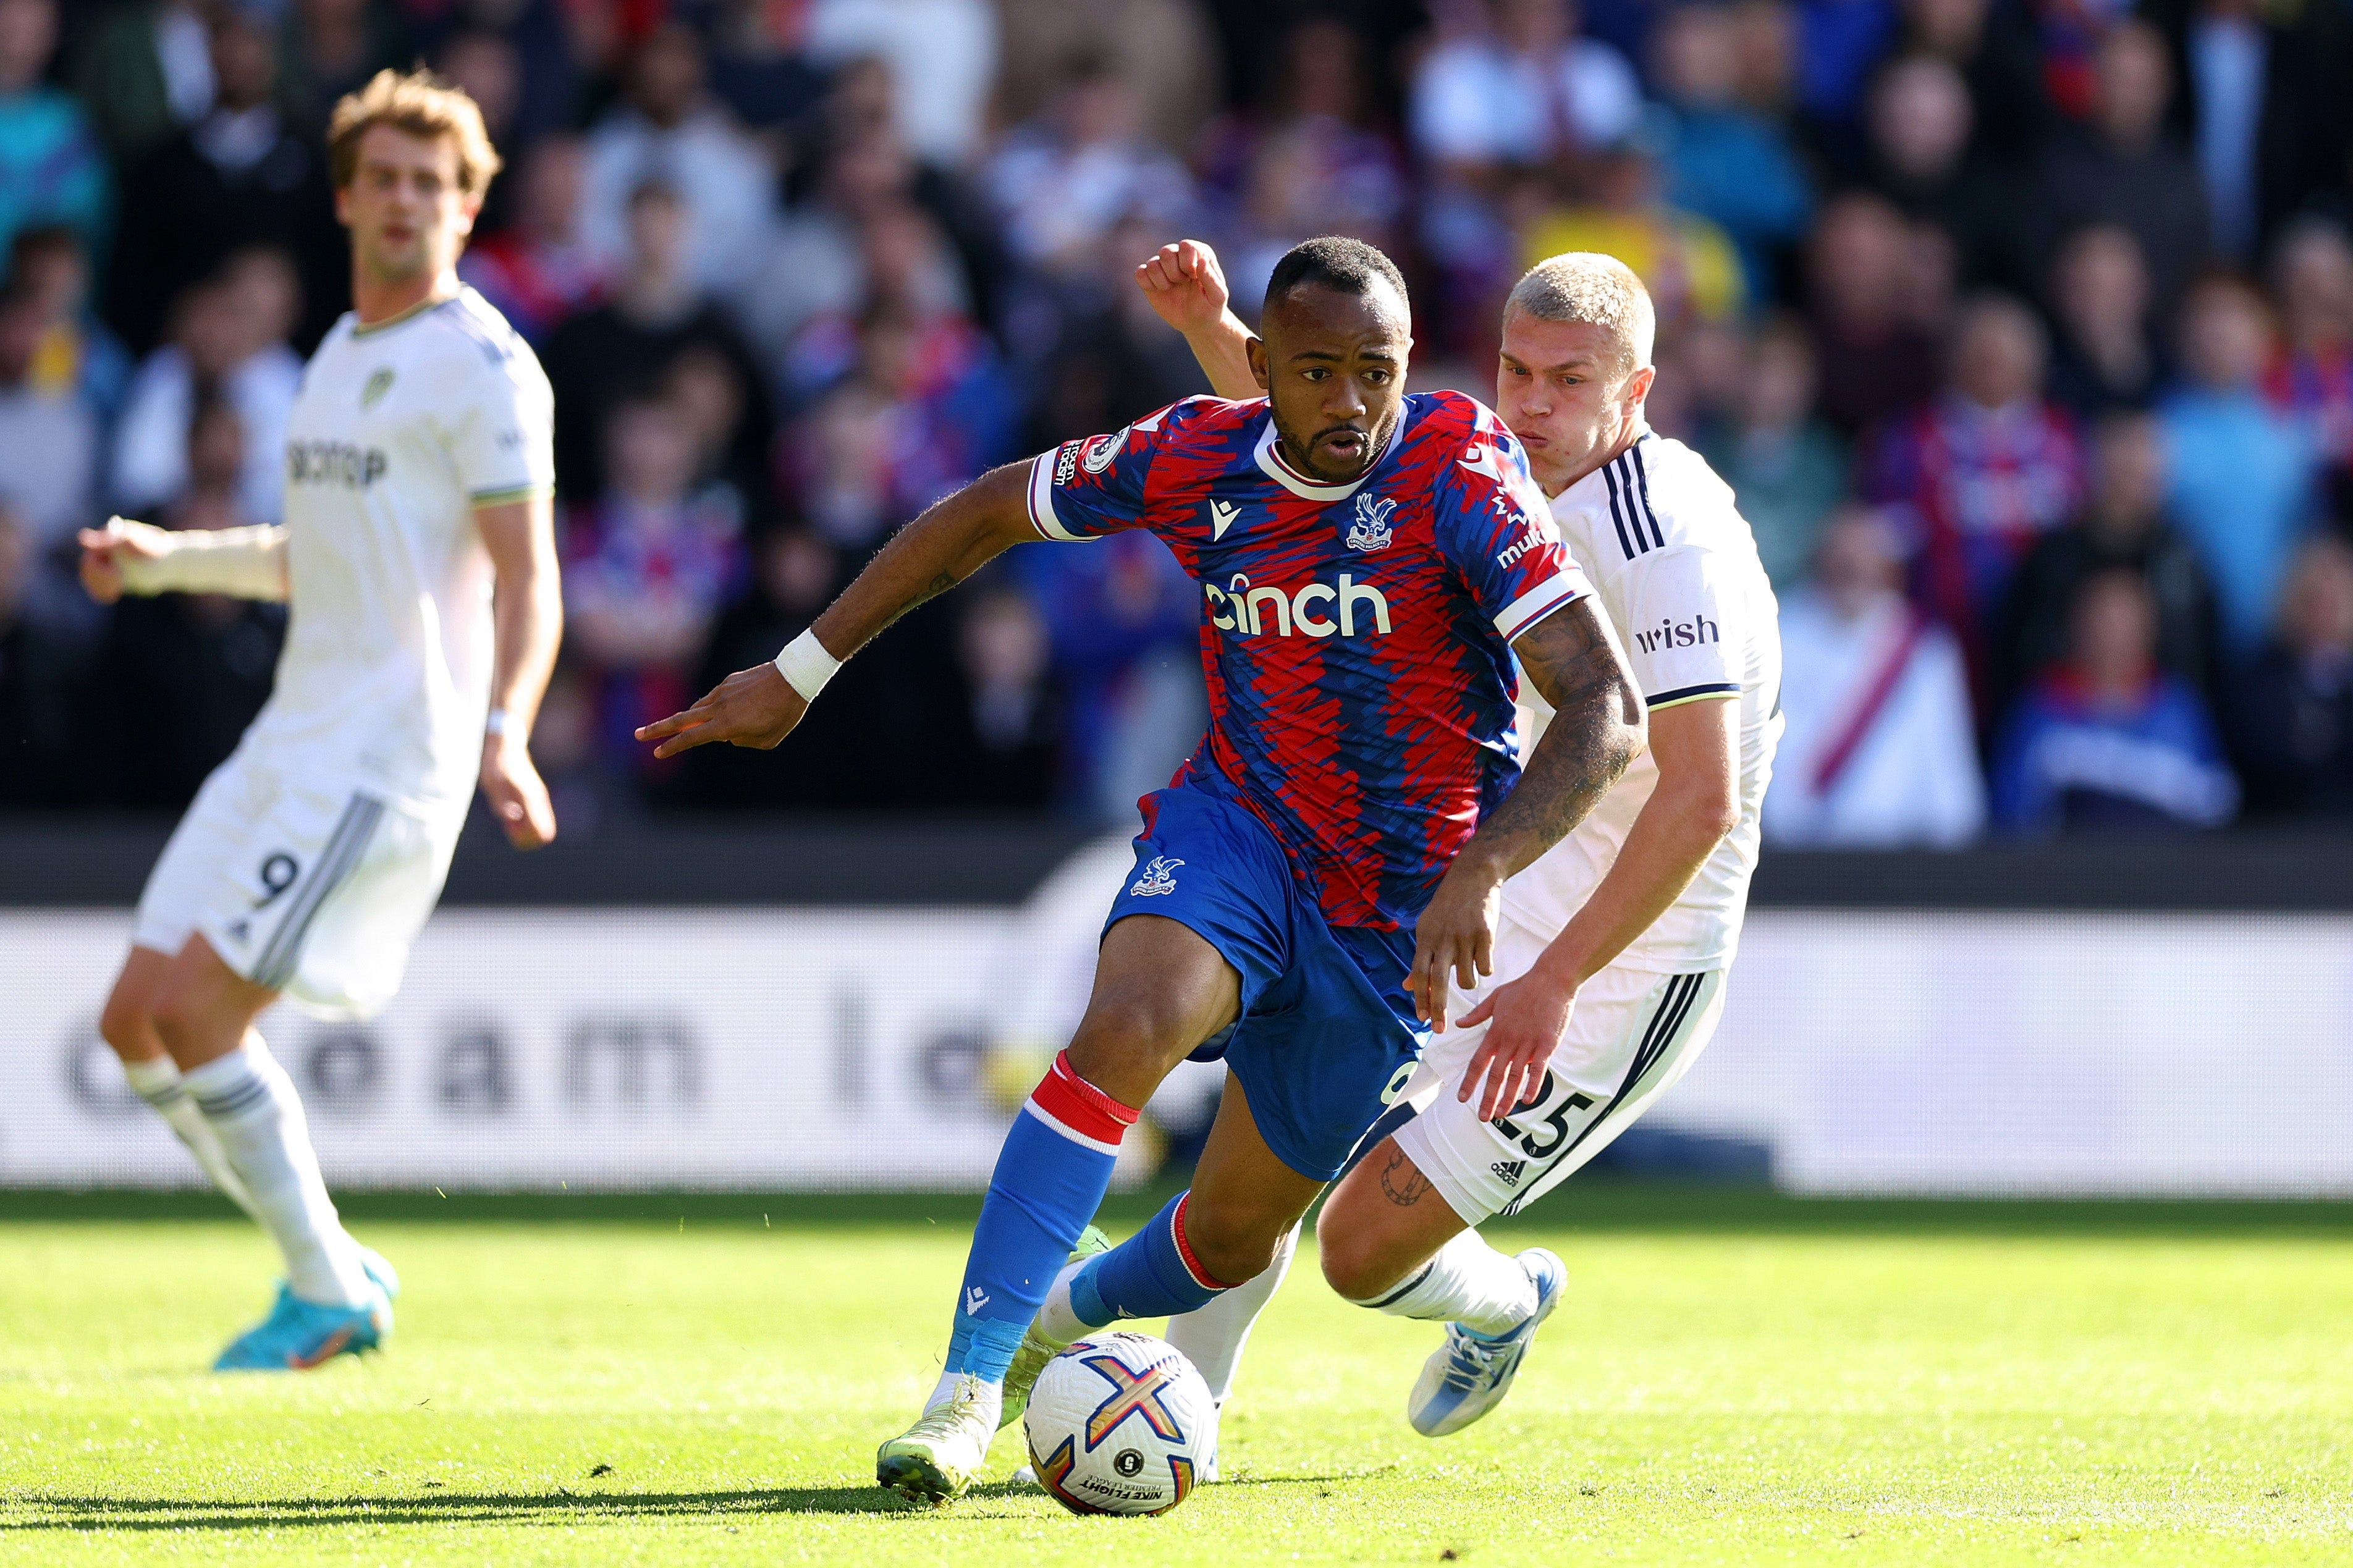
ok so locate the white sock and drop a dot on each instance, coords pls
(1213, 1337)
(249, 1103)
(1469, 1283)
(1058, 1323)
(157, 1082)
(991, 1395)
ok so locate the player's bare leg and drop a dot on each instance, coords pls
(203, 1014)
(128, 1025)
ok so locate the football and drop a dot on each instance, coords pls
(1120, 1423)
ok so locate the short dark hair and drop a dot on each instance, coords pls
(1334, 261)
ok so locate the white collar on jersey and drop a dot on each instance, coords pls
(1272, 461)
(1593, 487)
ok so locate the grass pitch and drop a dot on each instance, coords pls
(1732, 1378)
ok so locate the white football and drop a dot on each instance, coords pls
(1120, 1423)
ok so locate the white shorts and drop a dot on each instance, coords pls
(1631, 1034)
(312, 889)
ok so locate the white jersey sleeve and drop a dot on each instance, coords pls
(1684, 639)
(501, 433)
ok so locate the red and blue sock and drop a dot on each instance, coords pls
(1050, 1178)
(1152, 1274)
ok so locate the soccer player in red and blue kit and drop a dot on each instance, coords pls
(1307, 884)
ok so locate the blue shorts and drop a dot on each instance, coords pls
(1327, 1036)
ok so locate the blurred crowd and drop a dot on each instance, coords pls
(2023, 329)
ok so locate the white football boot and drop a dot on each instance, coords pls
(1469, 1373)
(935, 1459)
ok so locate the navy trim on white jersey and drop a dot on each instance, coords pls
(1630, 502)
(1685, 693)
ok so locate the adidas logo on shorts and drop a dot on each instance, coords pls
(1509, 1170)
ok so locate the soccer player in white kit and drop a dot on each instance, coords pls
(1609, 957)
(418, 562)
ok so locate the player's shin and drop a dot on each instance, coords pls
(157, 1082)
(250, 1105)
(1468, 1282)
(1214, 1336)
(1050, 1178)
(1152, 1274)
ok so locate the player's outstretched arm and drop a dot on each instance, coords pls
(1696, 802)
(527, 610)
(127, 557)
(1598, 728)
(956, 537)
(1188, 290)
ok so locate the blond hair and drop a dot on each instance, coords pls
(1589, 286)
(420, 104)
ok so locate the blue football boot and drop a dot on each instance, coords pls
(299, 1334)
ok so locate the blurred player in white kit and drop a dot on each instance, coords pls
(418, 562)
(1609, 957)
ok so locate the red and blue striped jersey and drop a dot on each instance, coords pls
(1355, 637)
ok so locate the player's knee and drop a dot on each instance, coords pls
(1232, 1249)
(1121, 1038)
(1354, 1261)
(126, 1024)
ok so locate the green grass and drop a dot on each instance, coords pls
(1734, 1378)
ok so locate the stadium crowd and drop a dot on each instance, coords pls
(2023, 329)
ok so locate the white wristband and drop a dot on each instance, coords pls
(494, 722)
(806, 665)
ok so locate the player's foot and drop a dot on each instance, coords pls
(380, 1269)
(1036, 1349)
(299, 1334)
(933, 1460)
(1469, 1373)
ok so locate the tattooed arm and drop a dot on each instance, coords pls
(954, 538)
(1573, 658)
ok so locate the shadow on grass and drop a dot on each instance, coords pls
(54, 1514)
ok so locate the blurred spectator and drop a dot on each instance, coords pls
(1838, 42)
(52, 169)
(39, 684)
(143, 71)
(1786, 466)
(1879, 751)
(1724, 160)
(645, 571)
(2102, 361)
(76, 351)
(943, 57)
(2108, 742)
(794, 575)
(2263, 99)
(1001, 750)
(182, 675)
(1164, 50)
(761, 69)
(1874, 358)
(2124, 168)
(331, 48)
(626, 346)
(229, 340)
(50, 437)
(541, 269)
(1984, 471)
(903, 430)
(1063, 181)
(1522, 89)
(1310, 166)
(667, 130)
(2240, 470)
(2312, 375)
(1993, 45)
(731, 447)
(2124, 528)
(241, 176)
(1689, 264)
(2294, 709)
(1920, 122)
